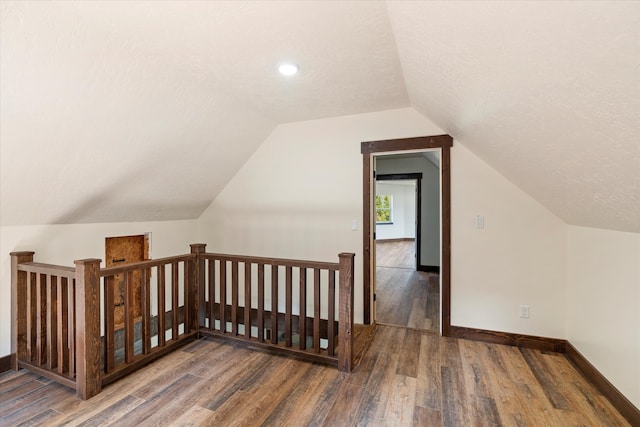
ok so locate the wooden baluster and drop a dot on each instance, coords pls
(261, 302)
(316, 310)
(162, 305)
(212, 293)
(71, 304)
(189, 315)
(30, 315)
(88, 342)
(274, 304)
(109, 323)
(345, 325)
(63, 324)
(234, 298)
(145, 291)
(175, 305)
(223, 296)
(19, 291)
(197, 286)
(288, 306)
(41, 311)
(331, 318)
(247, 300)
(129, 337)
(302, 318)
(52, 327)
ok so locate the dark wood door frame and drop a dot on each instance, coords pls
(444, 143)
(417, 177)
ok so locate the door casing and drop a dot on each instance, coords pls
(368, 149)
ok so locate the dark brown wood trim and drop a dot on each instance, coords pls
(444, 142)
(366, 238)
(445, 261)
(401, 239)
(398, 176)
(403, 144)
(7, 362)
(60, 379)
(429, 268)
(507, 338)
(617, 399)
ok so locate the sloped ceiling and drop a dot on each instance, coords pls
(130, 111)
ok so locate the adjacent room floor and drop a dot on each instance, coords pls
(404, 296)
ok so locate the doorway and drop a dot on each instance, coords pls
(369, 150)
(406, 268)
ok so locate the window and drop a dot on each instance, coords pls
(384, 209)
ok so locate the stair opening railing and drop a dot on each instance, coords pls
(66, 325)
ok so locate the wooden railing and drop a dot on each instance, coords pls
(66, 330)
(285, 305)
(44, 330)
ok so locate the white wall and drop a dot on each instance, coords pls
(518, 258)
(603, 303)
(404, 210)
(297, 196)
(63, 244)
(430, 209)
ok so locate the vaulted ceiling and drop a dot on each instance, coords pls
(130, 111)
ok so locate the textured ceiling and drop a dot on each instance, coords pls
(548, 93)
(131, 111)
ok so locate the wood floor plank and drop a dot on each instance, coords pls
(253, 404)
(400, 406)
(541, 372)
(456, 383)
(236, 379)
(378, 393)
(429, 385)
(25, 407)
(318, 385)
(347, 407)
(455, 408)
(13, 379)
(42, 419)
(7, 396)
(426, 417)
(408, 363)
(195, 416)
(154, 409)
(113, 412)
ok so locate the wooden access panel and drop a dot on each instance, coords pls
(126, 250)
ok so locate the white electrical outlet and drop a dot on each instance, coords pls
(524, 311)
(479, 221)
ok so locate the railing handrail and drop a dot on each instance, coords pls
(110, 271)
(39, 267)
(284, 262)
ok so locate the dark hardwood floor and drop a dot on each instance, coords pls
(404, 296)
(407, 377)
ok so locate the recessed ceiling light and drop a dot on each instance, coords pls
(288, 69)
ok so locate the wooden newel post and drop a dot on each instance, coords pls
(196, 290)
(345, 317)
(19, 306)
(88, 342)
